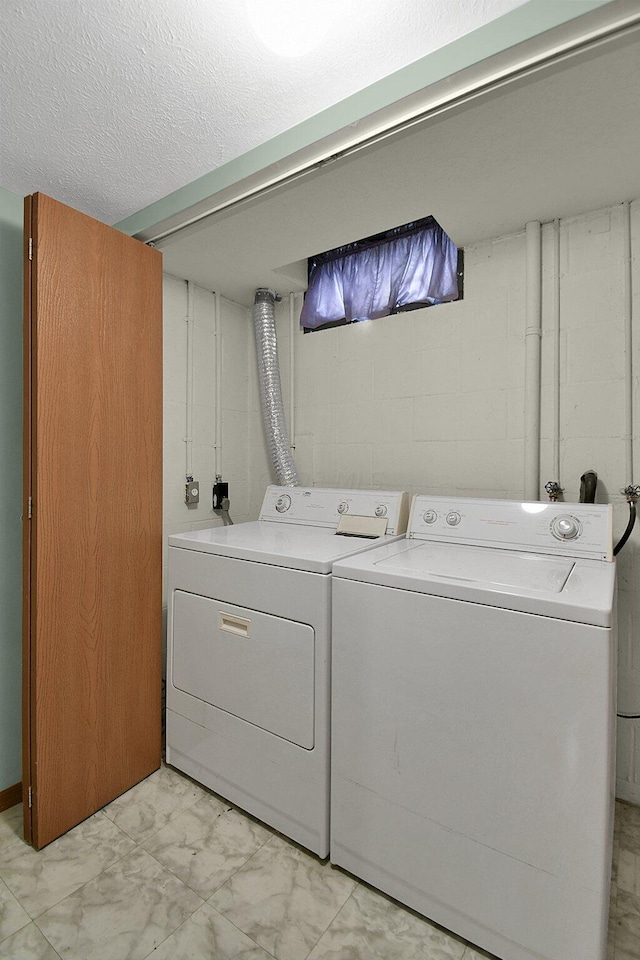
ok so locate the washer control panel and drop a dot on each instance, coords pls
(567, 529)
(324, 506)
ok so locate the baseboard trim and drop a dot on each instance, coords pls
(10, 796)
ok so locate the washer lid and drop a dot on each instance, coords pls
(296, 546)
(529, 572)
(567, 589)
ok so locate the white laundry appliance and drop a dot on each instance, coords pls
(473, 706)
(249, 642)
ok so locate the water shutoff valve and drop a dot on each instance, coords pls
(553, 489)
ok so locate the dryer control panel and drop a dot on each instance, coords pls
(326, 506)
(565, 529)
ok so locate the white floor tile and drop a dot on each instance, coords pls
(371, 927)
(12, 915)
(27, 944)
(627, 936)
(38, 879)
(206, 844)
(628, 873)
(153, 803)
(122, 914)
(283, 899)
(11, 825)
(206, 935)
(629, 827)
(98, 895)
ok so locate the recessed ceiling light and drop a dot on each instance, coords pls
(292, 28)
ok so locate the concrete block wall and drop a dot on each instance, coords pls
(429, 401)
(233, 456)
(433, 401)
(592, 371)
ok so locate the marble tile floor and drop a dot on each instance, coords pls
(172, 872)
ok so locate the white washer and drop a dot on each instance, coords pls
(473, 706)
(248, 658)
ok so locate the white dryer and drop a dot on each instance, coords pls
(248, 658)
(473, 707)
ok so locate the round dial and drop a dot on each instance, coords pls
(566, 527)
(343, 507)
(453, 518)
(381, 510)
(283, 503)
(429, 516)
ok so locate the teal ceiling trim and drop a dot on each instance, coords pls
(518, 25)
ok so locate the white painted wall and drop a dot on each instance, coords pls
(11, 253)
(429, 401)
(234, 454)
(433, 402)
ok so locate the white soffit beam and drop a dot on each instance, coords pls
(598, 27)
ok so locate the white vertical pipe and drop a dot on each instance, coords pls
(533, 336)
(189, 413)
(292, 358)
(218, 369)
(556, 352)
(628, 344)
(631, 638)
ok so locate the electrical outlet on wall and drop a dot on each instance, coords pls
(192, 492)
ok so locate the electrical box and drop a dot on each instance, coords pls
(192, 492)
(220, 493)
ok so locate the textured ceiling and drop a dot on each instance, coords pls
(108, 105)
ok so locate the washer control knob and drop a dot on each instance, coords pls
(453, 518)
(565, 527)
(381, 510)
(283, 503)
(429, 516)
(343, 507)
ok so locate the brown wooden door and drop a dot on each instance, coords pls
(93, 545)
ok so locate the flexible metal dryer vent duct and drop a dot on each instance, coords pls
(264, 325)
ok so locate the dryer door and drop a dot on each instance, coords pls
(257, 667)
